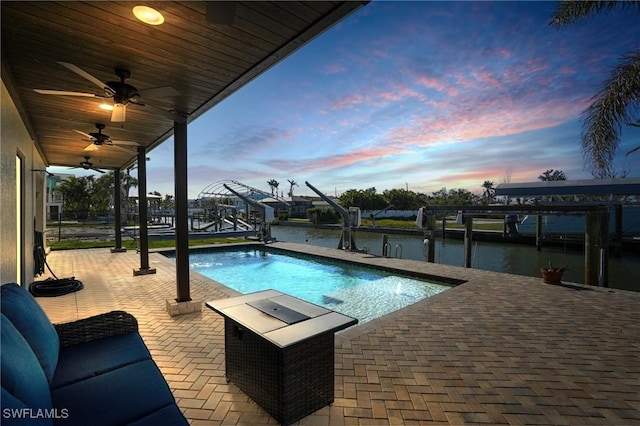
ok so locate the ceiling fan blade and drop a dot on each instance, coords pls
(84, 134)
(119, 113)
(92, 147)
(64, 92)
(83, 73)
(221, 12)
(125, 143)
(97, 170)
(159, 92)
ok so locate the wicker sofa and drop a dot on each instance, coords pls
(95, 371)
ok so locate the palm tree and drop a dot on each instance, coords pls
(616, 104)
(489, 191)
(636, 149)
(552, 176)
(273, 184)
(127, 205)
(292, 183)
(76, 195)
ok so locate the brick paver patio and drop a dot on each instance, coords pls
(498, 349)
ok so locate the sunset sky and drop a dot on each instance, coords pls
(421, 95)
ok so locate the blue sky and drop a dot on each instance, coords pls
(421, 95)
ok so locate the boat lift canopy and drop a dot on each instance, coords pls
(621, 186)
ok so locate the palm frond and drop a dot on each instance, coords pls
(636, 149)
(570, 11)
(610, 109)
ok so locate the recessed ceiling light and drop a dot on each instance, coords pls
(148, 15)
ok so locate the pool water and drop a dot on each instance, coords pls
(353, 290)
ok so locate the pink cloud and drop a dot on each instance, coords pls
(378, 98)
(504, 53)
(567, 71)
(487, 79)
(408, 92)
(335, 69)
(338, 160)
(431, 83)
(479, 118)
(437, 84)
(462, 80)
(391, 96)
(348, 101)
(517, 72)
(380, 53)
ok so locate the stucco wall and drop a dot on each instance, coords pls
(14, 140)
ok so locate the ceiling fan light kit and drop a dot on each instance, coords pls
(120, 92)
(88, 165)
(99, 139)
(119, 113)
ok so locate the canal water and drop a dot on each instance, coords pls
(624, 272)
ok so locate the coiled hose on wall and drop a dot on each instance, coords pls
(50, 287)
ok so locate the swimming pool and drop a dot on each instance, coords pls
(353, 290)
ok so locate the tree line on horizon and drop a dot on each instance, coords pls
(403, 199)
(86, 197)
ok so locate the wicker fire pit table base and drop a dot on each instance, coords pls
(279, 350)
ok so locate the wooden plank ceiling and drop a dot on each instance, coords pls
(203, 61)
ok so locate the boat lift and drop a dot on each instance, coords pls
(374, 214)
(596, 240)
(266, 211)
(260, 191)
(351, 219)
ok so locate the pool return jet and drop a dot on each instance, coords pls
(351, 219)
(266, 213)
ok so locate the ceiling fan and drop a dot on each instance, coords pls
(87, 165)
(121, 92)
(99, 139)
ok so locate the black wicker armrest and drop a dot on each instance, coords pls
(96, 327)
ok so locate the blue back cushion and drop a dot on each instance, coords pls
(21, 308)
(24, 384)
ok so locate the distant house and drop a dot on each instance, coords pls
(319, 203)
(297, 207)
(153, 203)
(55, 200)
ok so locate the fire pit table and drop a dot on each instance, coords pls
(279, 350)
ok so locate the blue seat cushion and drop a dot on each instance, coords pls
(24, 384)
(21, 308)
(90, 359)
(123, 396)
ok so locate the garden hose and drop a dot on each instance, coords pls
(55, 287)
(50, 287)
